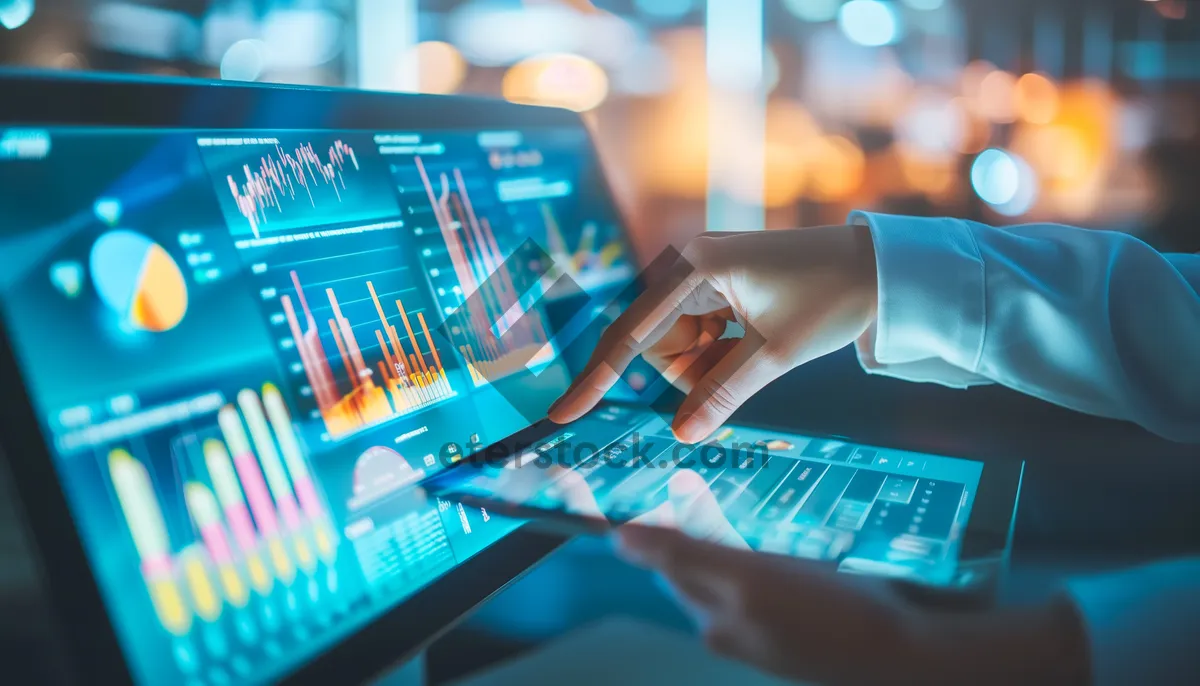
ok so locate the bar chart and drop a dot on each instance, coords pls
(495, 323)
(402, 381)
(255, 513)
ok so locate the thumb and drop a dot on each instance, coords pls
(743, 371)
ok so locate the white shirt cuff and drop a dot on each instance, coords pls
(931, 318)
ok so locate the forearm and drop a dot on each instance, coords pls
(1045, 644)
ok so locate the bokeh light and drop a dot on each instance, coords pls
(996, 97)
(244, 60)
(813, 10)
(670, 147)
(934, 125)
(790, 135)
(1004, 181)
(933, 177)
(1058, 153)
(14, 13)
(994, 176)
(869, 22)
(1035, 99)
(440, 67)
(971, 78)
(925, 5)
(563, 80)
(836, 168)
(297, 38)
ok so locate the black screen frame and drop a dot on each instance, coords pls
(48, 99)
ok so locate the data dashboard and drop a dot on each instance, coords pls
(245, 347)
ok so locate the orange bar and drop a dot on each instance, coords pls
(351, 344)
(383, 369)
(387, 356)
(437, 360)
(467, 356)
(475, 363)
(337, 338)
(412, 337)
(391, 330)
(417, 375)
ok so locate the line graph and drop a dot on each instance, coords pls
(275, 184)
(278, 176)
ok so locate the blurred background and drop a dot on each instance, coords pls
(744, 114)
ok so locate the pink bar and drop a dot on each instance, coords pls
(256, 492)
(289, 512)
(243, 529)
(308, 498)
(218, 545)
(157, 566)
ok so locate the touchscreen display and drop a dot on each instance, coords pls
(245, 346)
(871, 510)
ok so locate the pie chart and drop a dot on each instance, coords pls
(138, 280)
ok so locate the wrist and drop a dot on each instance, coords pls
(1044, 644)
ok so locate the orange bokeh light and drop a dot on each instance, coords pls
(561, 80)
(440, 67)
(996, 97)
(836, 168)
(1035, 99)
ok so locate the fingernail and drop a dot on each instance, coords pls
(686, 429)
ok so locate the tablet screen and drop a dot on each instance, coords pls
(869, 509)
(245, 346)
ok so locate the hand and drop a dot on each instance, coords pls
(692, 509)
(802, 620)
(799, 294)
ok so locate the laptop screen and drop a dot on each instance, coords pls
(244, 346)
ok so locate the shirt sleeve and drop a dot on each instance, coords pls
(1095, 321)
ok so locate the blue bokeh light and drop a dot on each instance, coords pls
(14, 13)
(1004, 181)
(244, 60)
(869, 22)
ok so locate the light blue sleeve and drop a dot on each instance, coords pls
(1095, 321)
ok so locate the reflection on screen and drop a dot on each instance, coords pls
(872, 510)
(245, 347)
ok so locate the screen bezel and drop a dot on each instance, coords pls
(49, 99)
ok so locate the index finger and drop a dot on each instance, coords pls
(639, 326)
